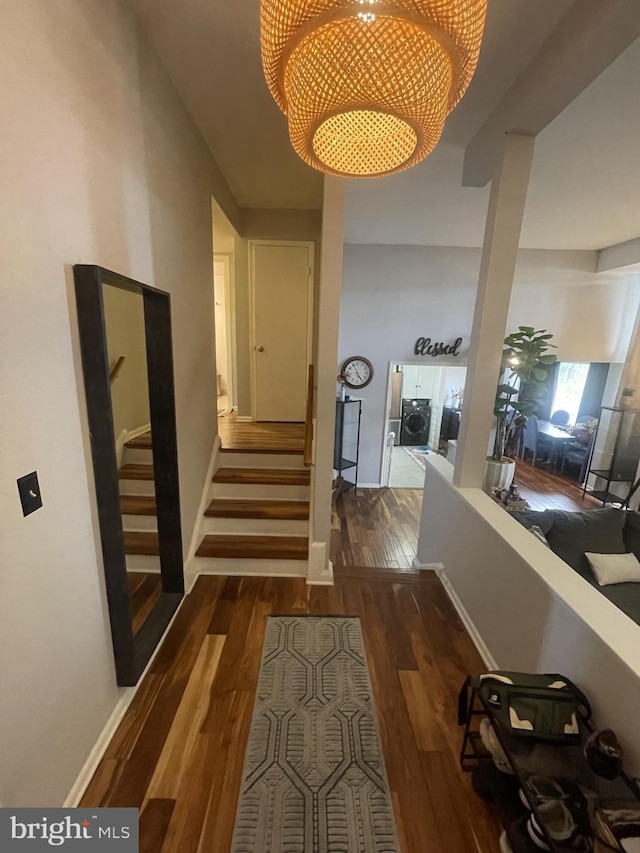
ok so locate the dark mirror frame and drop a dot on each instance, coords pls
(132, 653)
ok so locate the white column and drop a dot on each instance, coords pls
(499, 253)
(326, 368)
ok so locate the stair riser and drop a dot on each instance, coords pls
(261, 460)
(139, 522)
(262, 568)
(257, 526)
(255, 491)
(137, 487)
(142, 563)
(137, 456)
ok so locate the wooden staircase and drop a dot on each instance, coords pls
(138, 505)
(257, 521)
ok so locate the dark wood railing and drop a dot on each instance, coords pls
(308, 421)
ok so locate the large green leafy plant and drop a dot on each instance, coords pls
(526, 361)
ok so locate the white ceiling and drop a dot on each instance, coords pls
(585, 190)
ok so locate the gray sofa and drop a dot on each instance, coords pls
(599, 531)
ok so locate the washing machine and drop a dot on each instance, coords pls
(416, 418)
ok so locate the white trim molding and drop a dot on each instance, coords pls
(244, 419)
(426, 567)
(191, 569)
(104, 738)
(126, 436)
(478, 642)
(320, 566)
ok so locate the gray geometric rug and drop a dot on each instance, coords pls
(314, 779)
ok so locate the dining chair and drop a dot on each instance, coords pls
(533, 441)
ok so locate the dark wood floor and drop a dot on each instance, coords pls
(178, 754)
(376, 528)
(273, 437)
(145, 589)
(544, 489)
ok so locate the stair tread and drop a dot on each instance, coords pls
(138, 505)
(285, 451)
(142, 442)
(141, 542)
(221, 508)
(254, 547)
(264, 476)
(136, 471)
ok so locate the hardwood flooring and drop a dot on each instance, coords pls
(145, 589)
(377, 528)
(264, 476)
(267, 437)
(546, 490)
(254, 547)
(178, 753)
(264, 509)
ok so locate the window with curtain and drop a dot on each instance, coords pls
(570, 382)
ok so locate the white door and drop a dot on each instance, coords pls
(281, 277)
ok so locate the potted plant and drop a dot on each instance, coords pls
(526, 360)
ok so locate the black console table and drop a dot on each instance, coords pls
(532, 759)
(346, 448)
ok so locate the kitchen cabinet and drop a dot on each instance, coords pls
(418, 381)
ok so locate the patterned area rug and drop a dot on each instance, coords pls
(419, 454)
(314, 779)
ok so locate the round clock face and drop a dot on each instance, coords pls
(357, 371)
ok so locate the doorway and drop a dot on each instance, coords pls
(424, 406)
(225, 345)
(281, 275)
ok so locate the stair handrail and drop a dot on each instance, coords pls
(308, 421)
(115, 370)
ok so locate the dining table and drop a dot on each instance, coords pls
(557, 438)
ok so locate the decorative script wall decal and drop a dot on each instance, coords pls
(424, 346)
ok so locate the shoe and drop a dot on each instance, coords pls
(545, 788)
(558, 822)
(492, 744)
(604, 754)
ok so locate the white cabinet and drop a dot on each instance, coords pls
(410, 381)
(419, 381)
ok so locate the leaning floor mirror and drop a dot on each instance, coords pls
(127, 361)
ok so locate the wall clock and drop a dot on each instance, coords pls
(357, 371)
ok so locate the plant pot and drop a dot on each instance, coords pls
(499, 475)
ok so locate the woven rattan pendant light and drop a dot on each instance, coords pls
(367, 84)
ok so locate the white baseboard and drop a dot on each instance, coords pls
(479, 643)
(198, 532)
(433, 567)
(320, 566)
(370, 486)
(244, 419)
(104, 738)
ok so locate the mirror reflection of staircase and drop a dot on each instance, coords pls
(140, 527)
(257, 519)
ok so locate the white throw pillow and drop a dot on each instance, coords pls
(615, 568)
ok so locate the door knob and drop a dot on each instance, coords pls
(260, 349)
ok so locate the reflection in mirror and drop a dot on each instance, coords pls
(127, 361)
(128, 378)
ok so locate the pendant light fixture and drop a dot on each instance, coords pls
(367, 84)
